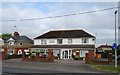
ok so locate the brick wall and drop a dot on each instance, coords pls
(3, 56)
(89, 56)
(37, 58)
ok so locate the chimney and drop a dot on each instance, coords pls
(16, 34)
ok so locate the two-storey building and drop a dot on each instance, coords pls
(65, 43)
(104, 48)
(17, 44)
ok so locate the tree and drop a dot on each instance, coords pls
(5, 35)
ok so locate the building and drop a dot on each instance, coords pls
(104, 48)
(65, 43)
(17, 44)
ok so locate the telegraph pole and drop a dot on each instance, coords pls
(115, 41)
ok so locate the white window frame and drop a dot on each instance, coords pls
(11, 42)
(51, 41)
(19, 51)
(20, 44)
(59, 41)
(85, 40)
(70, 41)
(11, 51)
(43, 41)
(44, 52)
(83, 53)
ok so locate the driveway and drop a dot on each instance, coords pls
(59, 66)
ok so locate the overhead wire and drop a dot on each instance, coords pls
(62, 15)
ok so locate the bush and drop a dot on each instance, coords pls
(76, 57)
(14, 56)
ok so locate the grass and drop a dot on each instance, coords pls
(108, 68)
(99, 64)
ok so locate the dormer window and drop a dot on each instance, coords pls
(85, 40)
(11, 42)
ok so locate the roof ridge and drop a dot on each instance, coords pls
(65, 30)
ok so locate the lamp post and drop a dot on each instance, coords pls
(115, 41)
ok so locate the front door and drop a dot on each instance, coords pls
(66, 54)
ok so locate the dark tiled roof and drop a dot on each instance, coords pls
(105, 46)
(65, 46)
(19, 39)
(65, 34)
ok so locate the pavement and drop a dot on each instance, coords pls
(59, 66)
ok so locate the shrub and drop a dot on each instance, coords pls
(14, 56)
(76, 57)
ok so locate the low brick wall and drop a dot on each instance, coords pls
(39, 59)
(3, 56)
(100, 61)
(109, 60)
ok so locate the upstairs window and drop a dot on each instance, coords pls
(43, 41)
(69, 41)
(59, 41)
(11, 42)
(20, 44)
(93, 39)
(51, 41)
(85, 40)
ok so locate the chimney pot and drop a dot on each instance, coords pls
(16, 34)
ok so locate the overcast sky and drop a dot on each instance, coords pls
(99, 24)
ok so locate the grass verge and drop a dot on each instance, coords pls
(112, 69)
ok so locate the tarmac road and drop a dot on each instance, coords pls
(60, 66)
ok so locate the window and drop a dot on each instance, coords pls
(51, 41)
(85, 40)
(11, 42)
(20, 44)
(69, 41)
(43, 52)
(83, 53)
(11, 51)
(59, 41)
(43, 41)
(93, 39)
(56, 52)
(19, 52)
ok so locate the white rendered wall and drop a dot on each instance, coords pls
(75, 41)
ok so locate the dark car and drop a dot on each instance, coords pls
(118, 58)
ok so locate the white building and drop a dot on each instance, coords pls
(65, 43)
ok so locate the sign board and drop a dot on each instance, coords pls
(114, 45)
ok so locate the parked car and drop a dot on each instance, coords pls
(118, 58)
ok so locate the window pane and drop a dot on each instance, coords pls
(59, 41)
